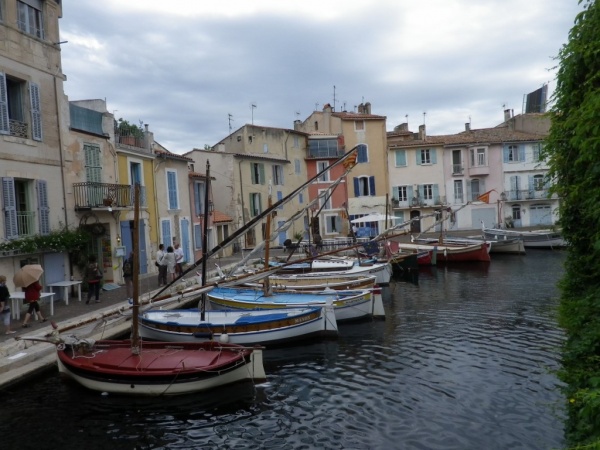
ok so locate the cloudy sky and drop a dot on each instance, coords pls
(185, 66)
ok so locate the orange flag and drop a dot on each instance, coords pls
(485, 197)
(350, 161)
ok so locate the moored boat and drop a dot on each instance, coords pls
(314, 281)
(450, 252)
(347, 305)
(531, 239)
(245, 327)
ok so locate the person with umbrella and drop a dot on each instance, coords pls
(28, 278)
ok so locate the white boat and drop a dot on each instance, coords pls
(244, 327)
(345, 266)
(504, 245)
(347, 305)
(531, 239)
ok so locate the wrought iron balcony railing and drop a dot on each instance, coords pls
(91, 195)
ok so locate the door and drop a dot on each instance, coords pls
(415, 225)
(540, 215)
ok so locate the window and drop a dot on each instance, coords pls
(296, 142)
(277, 175)
(362, 154)
(516, 212)
(324, 199)
(257, 173)
(333, 224)
(323, 148)
(20, 208)
(458, 191)
(537, 151)
(364, 186)
(426, 156)
(255, 204)
(297, 166)
(29, 17)
(538, 182)
(427, 192)
(321, 166)
(400, 158)
(265, 148)
(457, 167)
(199, 196)
(14, 108)
(401, 193)
(359, 125)
(478, 157)
(514, 153)
(476, 189)
(301, 197)
(172, 189)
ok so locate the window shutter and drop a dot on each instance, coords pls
(197, 210)
(261, 171)
(356, 187)
(197, 236)
(280, 197)
(396, 193)
(43, 207)
(432, 155)
(11, 229)
(421, 191)
(522, 153)
(166, 232)
(362, 156)
(418, 154)
(36, 112)
(4, 123)
(400, 158)
(338, 224)
(172, 187)
(469, 191)
(371, 185)
(436, 194)
(252, 208)
(505, 154)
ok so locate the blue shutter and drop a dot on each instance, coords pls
(409, 193)
(356, 187)
(338, 224)
(300, 198)
(36, 112)
(11, 229)
(167, 240)
(197, 236)
(185, 239)
(436, 194)
(505, 154)
(371, 185)
(432, 155)
(514, 187)
(418, 154)
(172, 188)
(197, 202)
(43, 207)
(126, 238)
(522, 153)
(280, 197)
(400, 158)
(4, 122)
(362, 155)
(396, 192)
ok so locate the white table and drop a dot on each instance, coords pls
(66, 284)
(17, 301)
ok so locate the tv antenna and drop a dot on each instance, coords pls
(252, 107)
(230, 117)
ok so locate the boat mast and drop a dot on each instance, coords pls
(266, 282)
(135, 332)
(205, 238)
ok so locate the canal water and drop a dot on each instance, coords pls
(464, 360)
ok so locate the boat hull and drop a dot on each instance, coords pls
(160, 368)
(264, 327)
(531, 239)
(347, 305)
(317, 281)
(342, 267)
(452, 253)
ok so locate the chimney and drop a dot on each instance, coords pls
(467, 126)
(368, 108)
(508, 113)
(327, 107)
(422, 133)
(402, 127)
(361, 109)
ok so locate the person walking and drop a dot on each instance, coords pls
(128, 276)
(93, 275)
(178, 260)
(32, 296)
(169, 260)
(162, 268)
(4, 308)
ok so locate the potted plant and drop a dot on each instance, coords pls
(128, 133)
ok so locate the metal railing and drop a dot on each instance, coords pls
(103, 195)
(26, 223)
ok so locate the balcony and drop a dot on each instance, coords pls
(457, 169)
(104, 195)
(18, 128)
(26, 223)
(478, 171)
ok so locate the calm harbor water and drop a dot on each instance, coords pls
(464, 360)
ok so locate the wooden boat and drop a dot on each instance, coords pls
(347, 305)
(264, 327)
(531, 239)
(159, 368)
(155, 368)
(503, 245)
(451, 253)
(343, 266)
(317, 281)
